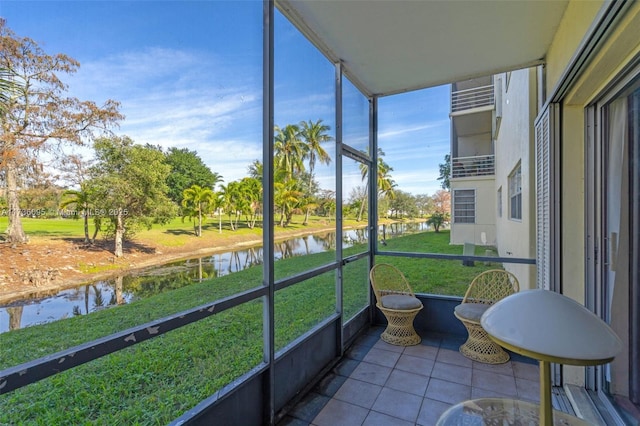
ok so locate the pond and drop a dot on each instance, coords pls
(91, 297)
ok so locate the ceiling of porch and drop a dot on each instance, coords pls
(391, 47)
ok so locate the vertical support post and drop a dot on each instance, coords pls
(338, 222)
(267, 218)
(634, 283)
(373, 194)
(546, 408)
(373, 176)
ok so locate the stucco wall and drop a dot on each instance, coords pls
(485, 212)
(622, 44)
(575, 22)
(516, 238)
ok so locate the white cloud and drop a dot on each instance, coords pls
(399, 130)
(190, 99)
(418, 181)
(182, 99)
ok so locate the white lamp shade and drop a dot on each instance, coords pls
(552, 325)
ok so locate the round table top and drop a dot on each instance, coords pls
(551, 327)
(501, 411)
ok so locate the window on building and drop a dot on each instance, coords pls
(499, 198)
(515, 193)
(464, 206)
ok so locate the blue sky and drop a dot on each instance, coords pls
(188, 74)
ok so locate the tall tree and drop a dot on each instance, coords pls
(229, 195)
(445, 172)
(403, 204)
(424, 204)
(308, 201)
(255, 170)
(289, 150)
(82, 199)
(251, 192)
(287, 196)
(130, 182)
(188, 169)
(314, 134)
(442, 201)
(37, 114)
(75, 172)
(197, 202)
(326, 202)
(383, 178)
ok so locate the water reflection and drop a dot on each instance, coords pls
(40, 308)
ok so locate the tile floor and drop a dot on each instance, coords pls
(380, 384)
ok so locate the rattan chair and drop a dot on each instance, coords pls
(485, 289)
(397, 302)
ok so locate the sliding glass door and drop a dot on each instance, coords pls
(614, 207)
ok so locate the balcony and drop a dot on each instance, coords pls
(377, 383)
(476, 97)
(479, 165)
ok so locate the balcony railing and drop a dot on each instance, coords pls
(480, 165)
(472, 98)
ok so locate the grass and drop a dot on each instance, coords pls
(156, 381)
(93, 269)
(49, 227)
(175, 233)
(434, 276)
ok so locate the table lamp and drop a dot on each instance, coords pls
(550, 327)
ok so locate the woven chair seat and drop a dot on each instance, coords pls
(471, 311)
(396, 301)
(400, 302)
(485, 289)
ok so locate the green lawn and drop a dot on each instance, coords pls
(50, 227)
(156, 381)
(434, 276)
(174, 233)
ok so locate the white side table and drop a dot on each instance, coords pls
(550, 327)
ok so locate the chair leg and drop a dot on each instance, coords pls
(479, 346)
(400, 331)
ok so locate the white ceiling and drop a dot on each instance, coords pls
(392, 46)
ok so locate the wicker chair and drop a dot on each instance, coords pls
(397, 302)
(485, 289)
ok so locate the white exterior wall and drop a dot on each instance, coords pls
(485, 212)
(474, 145)
(515, 144)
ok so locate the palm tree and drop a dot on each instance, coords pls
(197, 201)
(229, 200)
(251, 190)
(384, 181)
(307, 203)
(218, 207)
(437, 219)
(287, 196)
(314, 134)
(255, 170)
(82, 200)
(289, 150)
